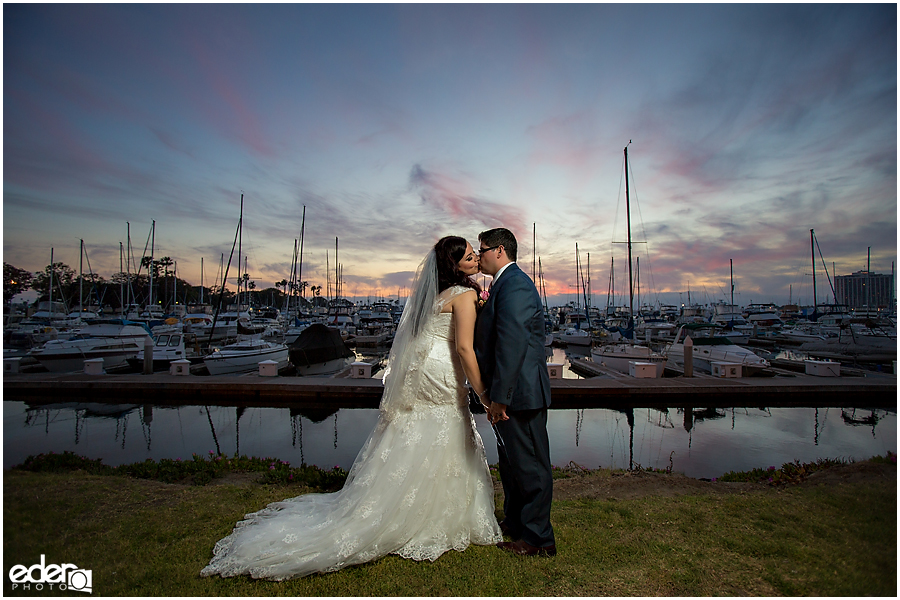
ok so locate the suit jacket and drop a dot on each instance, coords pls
(509, 343)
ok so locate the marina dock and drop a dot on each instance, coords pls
(871, 390)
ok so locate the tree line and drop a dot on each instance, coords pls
(124, 288)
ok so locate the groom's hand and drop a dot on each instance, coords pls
(497, 413)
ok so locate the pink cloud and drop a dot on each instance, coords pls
(235, 117)
(50, 141)
(453, 196)
(566, 142)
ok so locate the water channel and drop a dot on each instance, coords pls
(699, 443)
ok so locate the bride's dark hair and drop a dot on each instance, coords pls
(448, 252)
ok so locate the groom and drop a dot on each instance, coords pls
(509, 345)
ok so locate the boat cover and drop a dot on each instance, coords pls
(318, 344)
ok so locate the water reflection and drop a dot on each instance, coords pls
(698, 442)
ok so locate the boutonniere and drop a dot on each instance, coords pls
(483, 298)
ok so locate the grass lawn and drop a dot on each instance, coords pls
(146, 538)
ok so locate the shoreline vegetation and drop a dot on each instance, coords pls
(202, 470)
(827, 528)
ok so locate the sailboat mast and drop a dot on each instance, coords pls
(128, 267)
(628, 220)
(868, 272)
(240, 239)
(300, 263)
(590, 294)
(291, 279)
(610, 289)
(152, 244)
(577, 293)
(51, 283)
(637, 281)
(812, 250)
(121, 284)
(731, 320)
(81, 280)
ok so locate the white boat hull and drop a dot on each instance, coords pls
(703, 358)
(327, 368)
(708, 349)
(229, 362)
(578, 337)
(62, 360)
(619, 356)
(115, 343)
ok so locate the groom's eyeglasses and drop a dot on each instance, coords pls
(483, 250)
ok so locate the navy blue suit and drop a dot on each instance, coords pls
(509, 345)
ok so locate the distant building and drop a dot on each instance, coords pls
(863, 289)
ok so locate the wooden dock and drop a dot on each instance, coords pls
(874, 390)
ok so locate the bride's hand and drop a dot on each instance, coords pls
(497, 413)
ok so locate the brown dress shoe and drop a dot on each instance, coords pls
(523, 548)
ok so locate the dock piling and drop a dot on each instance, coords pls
(688, 357)
(148, 355)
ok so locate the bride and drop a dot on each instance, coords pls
(420, 485)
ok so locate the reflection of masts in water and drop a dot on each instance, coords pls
(146, 420)
(315, 415)
(850, 418)
(629, 417)
(213, 429)
(579, 421)
(124, 423)
(663, 421)
(746, 412)
(699, 415)
(79, 425)
(85, 411)
(31, 413)
(297, 433)
(819, 428)
(237, 429)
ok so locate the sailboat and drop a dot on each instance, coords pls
(246, 354)
(576, 329)
(621, 356)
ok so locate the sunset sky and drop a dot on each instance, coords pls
(395, 125)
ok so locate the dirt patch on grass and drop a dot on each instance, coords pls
(604, 485)
(239, 479)
(854, 473)
(637, 484)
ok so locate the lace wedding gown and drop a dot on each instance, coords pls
(420, 485)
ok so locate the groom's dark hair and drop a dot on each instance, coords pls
(500, 237)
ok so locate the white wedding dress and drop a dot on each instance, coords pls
(419, 487)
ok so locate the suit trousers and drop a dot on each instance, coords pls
(523, 449)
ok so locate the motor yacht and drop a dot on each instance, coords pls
(619, 357)
(709, 346)
(244, 356)
(113, 340)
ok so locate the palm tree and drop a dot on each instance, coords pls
(166, 262)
